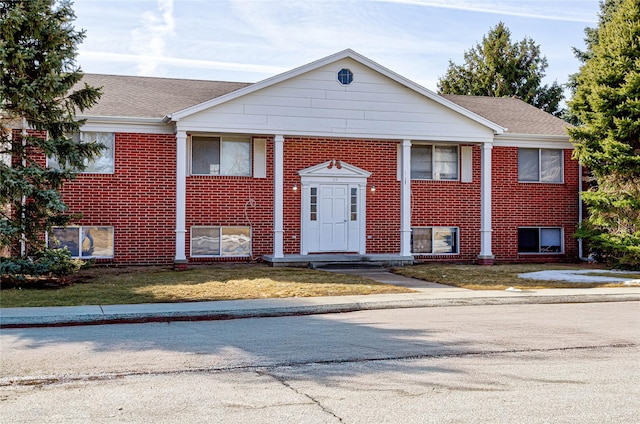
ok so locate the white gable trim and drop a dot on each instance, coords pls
(334, 169)
(348, 53)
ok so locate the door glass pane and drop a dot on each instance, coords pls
(205, 241)
(236, 241)
(313, 216)
(528, 240)
(446, 163)
(66, 237)
(97, 242)
(528, 165)
(235, 158)
(205, 156)
(421, 162)
(445, 240)
(551, 161)
(421, 240)
(550, 240)
(354, 204)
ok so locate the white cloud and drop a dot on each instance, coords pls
(179, 62)
(150, 38)
(540, 9)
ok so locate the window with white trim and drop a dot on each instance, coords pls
(220, 156)
(83, 241)
(213, 241)
(432, 162)
(540, 165)
(434, 240)
(103, 163)
(540, 240)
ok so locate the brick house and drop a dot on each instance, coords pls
(340, 159)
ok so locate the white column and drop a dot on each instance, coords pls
(405, 200)
(181, 196)
(486, 256)
(278, 197)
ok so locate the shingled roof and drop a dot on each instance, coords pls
(514, 114)
(151, 97)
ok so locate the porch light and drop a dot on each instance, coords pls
(373, 189)
(295, 188)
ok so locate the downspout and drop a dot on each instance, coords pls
(23, 237)
(580, 210)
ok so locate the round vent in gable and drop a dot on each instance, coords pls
(345, 76)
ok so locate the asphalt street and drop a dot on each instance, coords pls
(530, 363)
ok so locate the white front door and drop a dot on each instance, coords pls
(333, 208)
(333, 217)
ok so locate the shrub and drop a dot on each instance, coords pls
(49, 264)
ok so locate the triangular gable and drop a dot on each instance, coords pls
(345, 54)
(334, 168)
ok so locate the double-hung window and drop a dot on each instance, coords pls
(220, 156)
(539, 240)
(84, 241)
(540, 165)
(431, 162)
(434, 240)
(103, 163)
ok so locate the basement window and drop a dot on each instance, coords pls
(434, 240)
(214, 241)
(83, 241)
(539, 240)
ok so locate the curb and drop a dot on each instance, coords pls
(271, 312)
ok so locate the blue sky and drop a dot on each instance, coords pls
(248, 41)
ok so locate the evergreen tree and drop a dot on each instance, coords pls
(607, 102)
(37, 115)
(499, 68)
(607, 7)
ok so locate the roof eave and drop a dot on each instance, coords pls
(533, 140)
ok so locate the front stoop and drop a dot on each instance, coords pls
(320, 260)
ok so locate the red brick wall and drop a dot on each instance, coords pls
(222, 200)
(450, 204)
(376, 156)
(138, 200)
(531, 204)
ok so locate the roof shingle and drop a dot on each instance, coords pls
(517, 116)
(151, 97)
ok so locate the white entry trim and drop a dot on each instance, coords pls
(334, 172)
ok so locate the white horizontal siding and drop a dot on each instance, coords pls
(315, 103)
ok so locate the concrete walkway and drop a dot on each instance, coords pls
(426, 295)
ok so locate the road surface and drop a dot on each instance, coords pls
(571, 363)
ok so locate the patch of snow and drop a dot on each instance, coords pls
(577, 276)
